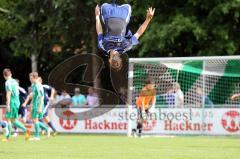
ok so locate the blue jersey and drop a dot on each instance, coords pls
(116, 18)
(117, 43)
(22, 94)
(47, 93)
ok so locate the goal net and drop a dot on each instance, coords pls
(205, 82)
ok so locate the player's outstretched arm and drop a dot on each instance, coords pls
(143, 27)
(52, 94)
(29, 97)
(98, 21)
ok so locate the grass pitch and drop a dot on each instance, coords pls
(121, 147)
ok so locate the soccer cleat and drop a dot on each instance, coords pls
(27, 135)
(48, 133)
(15, 134)
(55, 133)
(134, 133)
(43, 132)
(34, 139)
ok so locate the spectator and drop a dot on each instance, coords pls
(78, 98)
(207, 101)
(179, 96)
(92, 98)
(170, 97)
(64, 95)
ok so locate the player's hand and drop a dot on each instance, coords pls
(150, 13)
(234, 97)
(23, 105)
(152, 109)
(97, 11)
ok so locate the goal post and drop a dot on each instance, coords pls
(207, 84)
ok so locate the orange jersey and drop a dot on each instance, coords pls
(146, 96)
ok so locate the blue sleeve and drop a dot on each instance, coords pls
(134, 40)
(100, 42)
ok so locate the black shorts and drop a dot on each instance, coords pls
(115, 27)
(140, 115)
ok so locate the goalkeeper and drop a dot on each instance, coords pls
(146, 97)
(113, 40)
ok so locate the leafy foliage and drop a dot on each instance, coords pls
(179, 28)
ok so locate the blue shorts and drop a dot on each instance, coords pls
(22, 111)
(116, 11)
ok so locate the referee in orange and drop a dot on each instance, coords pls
(146, 98)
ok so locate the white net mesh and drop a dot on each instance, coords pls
(204, 83)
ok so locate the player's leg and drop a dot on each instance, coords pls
(19, 124)
(105, 11)
(9, 127)
(37, 128)
(47, 119)
(15, 120)
(140, 122)
(8, 117)
(114, 11)
(15, 131)
(42, 125)
(126, 12)
(14, 126)
(34, 116)
(116, 19)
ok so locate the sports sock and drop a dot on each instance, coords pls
(51, 126)
(37, 127)
(43, 126)
(15, 128)
(20, 125)
(10, 130)
(139, 127)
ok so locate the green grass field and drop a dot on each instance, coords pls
(121, 147)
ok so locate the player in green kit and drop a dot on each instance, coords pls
(37, 105)
(12, 104)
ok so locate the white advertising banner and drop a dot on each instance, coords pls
(195, 121)
(110, 122)
(215, 121)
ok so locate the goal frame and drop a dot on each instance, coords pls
(130, 105)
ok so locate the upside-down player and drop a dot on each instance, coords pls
(114, 40)
(37, 105)
(146, 97)
(13, 103)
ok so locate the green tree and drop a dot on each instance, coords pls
(191, 28)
